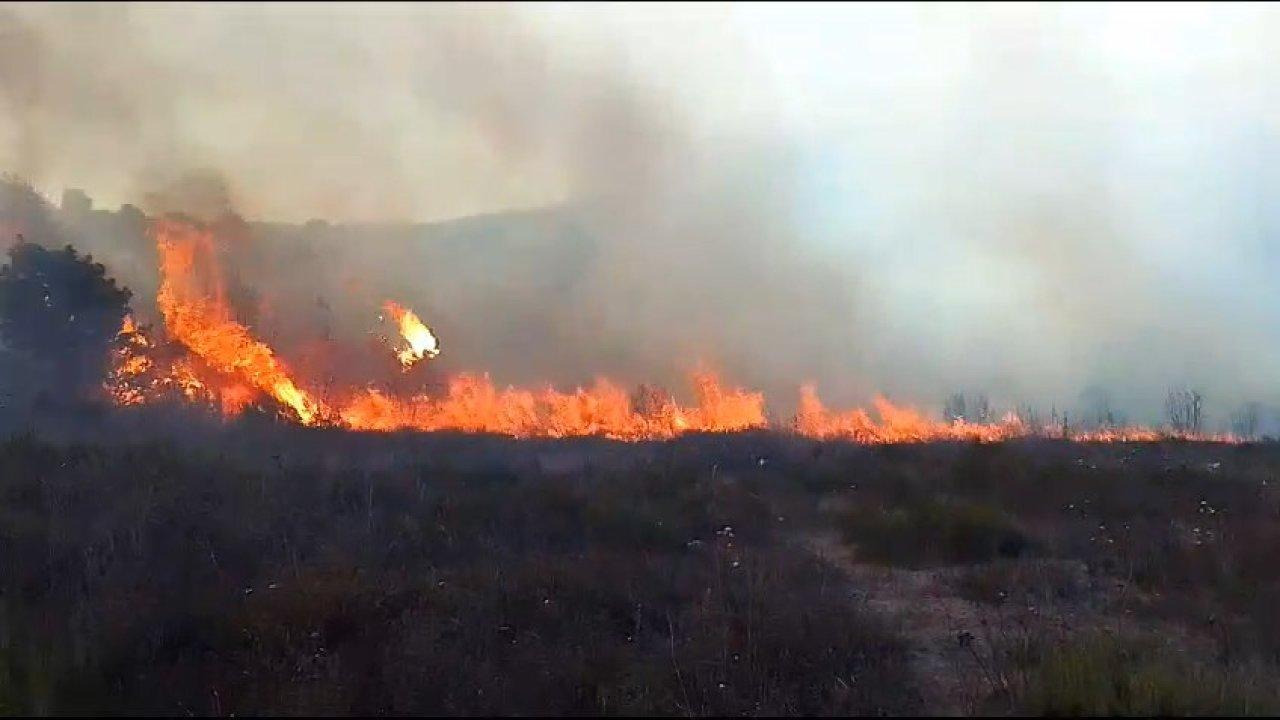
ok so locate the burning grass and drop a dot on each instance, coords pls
(222, 363)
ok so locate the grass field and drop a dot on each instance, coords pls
(265, 570)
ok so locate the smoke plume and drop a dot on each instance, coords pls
(1024, 202)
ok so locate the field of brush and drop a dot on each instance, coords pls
(260, 569)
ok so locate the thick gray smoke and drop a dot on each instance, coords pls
(1027, 202)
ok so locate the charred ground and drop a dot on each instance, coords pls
(258, 568)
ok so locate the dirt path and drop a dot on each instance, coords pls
(957, 645)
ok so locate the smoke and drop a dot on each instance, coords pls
(1025, 202)
(1084, 204)
(382, 113)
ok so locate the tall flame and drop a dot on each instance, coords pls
(200, 318)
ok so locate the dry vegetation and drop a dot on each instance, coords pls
(302, 572)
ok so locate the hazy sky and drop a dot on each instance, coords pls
(1023, 199)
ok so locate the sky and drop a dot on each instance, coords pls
(1021, 199)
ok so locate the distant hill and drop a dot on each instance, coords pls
(504, 291)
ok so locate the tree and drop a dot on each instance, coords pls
(1244, 421)
(980, 409)
(1030, 418)
(1183, 408)
(972, 409)
(23, 210)
(1096, 407)
(59, 314)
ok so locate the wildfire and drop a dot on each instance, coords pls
(895, 424)
(144, 371)
(421, 342)
(473, 404)
(197, 315)
(129, 362)
(212, 358)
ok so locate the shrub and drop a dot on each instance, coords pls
(147, 580)
(1034, 582)
(932, 532)
(1105, 675)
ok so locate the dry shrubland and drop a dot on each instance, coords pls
(264, 569)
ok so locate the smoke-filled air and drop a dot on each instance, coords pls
(644, 360)
(877, 222)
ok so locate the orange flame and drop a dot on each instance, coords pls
(422, 343)
(896, 424)
(473, 404)
(139, 375)
(225, 366)
(200, 319)
(129, 362)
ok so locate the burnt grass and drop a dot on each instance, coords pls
(264, 570)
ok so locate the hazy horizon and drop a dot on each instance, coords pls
(1025, 201)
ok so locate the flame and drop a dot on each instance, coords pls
(140, 373)
(422, 343)
(896, 424)
(900, 424)
(212, 359)
(198, 316)
(129, 363)
(472, 403)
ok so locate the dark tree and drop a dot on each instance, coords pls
(1244, 421)
(1096, 408)
(1030, 418)
(23, 210)
(971, 409)
(980, 409)
(1185, 410)
(59, 314)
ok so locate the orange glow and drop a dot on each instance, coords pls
(196, 314)
(140, 373)
(210, 358)
(473, 403)
(899, 424)
(129, 362)
(895, 424)
(421, 342)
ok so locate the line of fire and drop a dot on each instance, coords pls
(201, 354)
